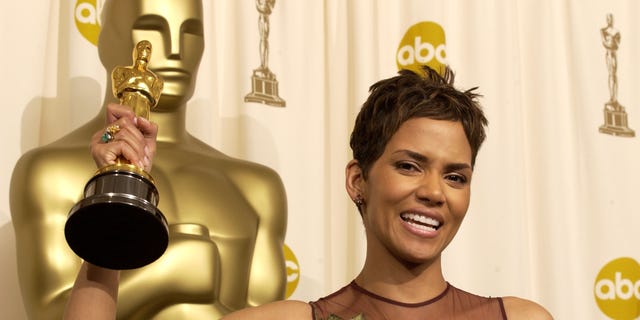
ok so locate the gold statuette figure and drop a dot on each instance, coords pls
(117, 225)
(264, 84)
(136, 86)
(615, 116)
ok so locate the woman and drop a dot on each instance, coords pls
(414, 146)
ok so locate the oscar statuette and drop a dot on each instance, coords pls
(264, 85)
(615, 116)
(117, 224)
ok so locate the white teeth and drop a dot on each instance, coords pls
(421, 221)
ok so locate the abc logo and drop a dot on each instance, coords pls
(87, 18)
(422, 44)
(293, 271)
(617, 289)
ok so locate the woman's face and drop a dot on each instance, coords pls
(417, 193)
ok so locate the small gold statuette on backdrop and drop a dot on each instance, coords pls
(615, 116)
(118, 225)
(263, 82)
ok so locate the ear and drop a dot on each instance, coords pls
(354, 180)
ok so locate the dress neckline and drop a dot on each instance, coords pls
(356, 287)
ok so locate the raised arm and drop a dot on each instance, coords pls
(95, 291)
(94, 295)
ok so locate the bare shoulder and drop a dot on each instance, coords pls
(278, 310)
(518, 308)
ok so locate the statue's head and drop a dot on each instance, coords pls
(609, 19)
(175, 30)
(142, 54)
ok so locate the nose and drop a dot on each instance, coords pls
(430, 190)
(173, 48)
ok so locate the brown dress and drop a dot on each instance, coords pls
(354, 302)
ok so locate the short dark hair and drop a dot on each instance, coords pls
(409, 95)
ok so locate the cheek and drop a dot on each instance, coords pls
(387, 190)
(192, 49)
(383, 201)
(459, 203)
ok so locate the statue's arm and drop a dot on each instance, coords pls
(156, 88)
(267, 279)
(118, 80)
(40, 199)
(172, 279)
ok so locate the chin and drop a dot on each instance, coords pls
(419, 258)
(178, 89)
(170, 102)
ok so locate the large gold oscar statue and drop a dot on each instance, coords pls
(227, 217)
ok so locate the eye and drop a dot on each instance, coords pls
(407, 167)
(193, 27)
(150, 22)
(457, 179)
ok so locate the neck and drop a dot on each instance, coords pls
(171, 125)
(387, 276)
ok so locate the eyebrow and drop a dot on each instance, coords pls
(422, 158)
(155, 21)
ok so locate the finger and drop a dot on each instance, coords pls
(150, 132)
(149, 129)
(104, 154)
(99, 152)
(107, 154)
(139, 136)
(132, 154)
(130, 144)
(130, 132)
(116, 111)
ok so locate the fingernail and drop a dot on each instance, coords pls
(147, 161)
(147, 152)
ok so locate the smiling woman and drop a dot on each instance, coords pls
(414, 145)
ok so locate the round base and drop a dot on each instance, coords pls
(117, 231)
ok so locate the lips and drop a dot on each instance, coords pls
(172, 73)
(420, 221)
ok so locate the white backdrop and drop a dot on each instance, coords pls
(554, 201)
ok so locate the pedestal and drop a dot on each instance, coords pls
(615, 121)
(264, 89)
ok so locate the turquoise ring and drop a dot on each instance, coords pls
(110, 133)
(106, 137)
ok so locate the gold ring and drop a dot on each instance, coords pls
(113, 129)
(110, 133)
